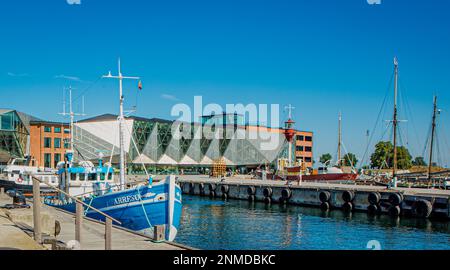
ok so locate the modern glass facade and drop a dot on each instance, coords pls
(13, 135)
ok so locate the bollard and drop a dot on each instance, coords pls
(108, 236)
(78, 221)
(159, 232)
(2, 191)
(37, 211)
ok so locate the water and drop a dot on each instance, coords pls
(239, 225)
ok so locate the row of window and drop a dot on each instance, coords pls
(302, 138)
(56, 129)
(48, 160)
(89, 177)
(56, 143)
(303, 148)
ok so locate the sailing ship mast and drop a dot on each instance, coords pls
(121, 119)
(433, 129)
(395, 121)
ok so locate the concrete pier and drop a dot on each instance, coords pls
(421, 203)
(16, 232)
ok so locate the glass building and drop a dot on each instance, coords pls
(164, 146)
(14, 135)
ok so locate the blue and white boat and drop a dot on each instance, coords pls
(138, 208)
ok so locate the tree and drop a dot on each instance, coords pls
(384, 154)
(419, 161)
(325, 158)
(350, 160)
(381, 155)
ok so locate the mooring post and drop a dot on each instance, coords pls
(2, 191)
(159, 233)
(78, 221)
(108, 232)
(37, 211)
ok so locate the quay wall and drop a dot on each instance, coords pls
(374, 200)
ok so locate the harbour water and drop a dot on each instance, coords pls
(238, 225)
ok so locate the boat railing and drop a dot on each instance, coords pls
(79, 214)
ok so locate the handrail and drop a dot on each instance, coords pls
(77, 200)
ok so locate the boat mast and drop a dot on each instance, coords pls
(340, 140)
(121, 119)
(395, 121)
(433, 129)
(72, 117)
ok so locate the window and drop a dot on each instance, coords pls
(308, 138)
(47, 160)
(73, 177)
(47, 142)
(57, 159)
(92, 177)
(299, 148)
(308, 149)
(102, 176)
(66, 143)
(47, 129)
(82, 177)
(57, 130)
(300, 138)
(67, 130)
(109, 176)
(308, 159)
(57, 143)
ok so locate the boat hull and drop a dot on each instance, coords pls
(140, 208)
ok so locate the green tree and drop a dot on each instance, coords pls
(384, 154)
(325, 158)
(404, 158)
(419, 161)
(350, 160)
(381, 155)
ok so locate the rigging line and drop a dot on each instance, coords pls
(409, 110)
(378, 117)
(427, 140)
(87, 89)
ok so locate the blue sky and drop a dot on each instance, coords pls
(323, 56)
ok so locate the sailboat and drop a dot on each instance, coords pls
(138, 208)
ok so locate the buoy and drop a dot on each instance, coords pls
(347, 207)
(325, 206)
(372, 209)
(422, 208)
(224, 196)
(251, 190)
(324, 196)
(267, 192)
(251, 198)
(394, 211)
(268, 200)
(374, 198)
(212, 187)
(395, 199)
(225, 189)
(212, 194)
(286, 194)
(348, 196)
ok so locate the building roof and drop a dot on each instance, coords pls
(111, 117)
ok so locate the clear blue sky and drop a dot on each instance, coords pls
(322, 56)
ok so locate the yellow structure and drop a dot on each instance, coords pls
(219, 167)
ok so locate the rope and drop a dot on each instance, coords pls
(143, 208)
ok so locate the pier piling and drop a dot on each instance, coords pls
(37, 211)
(79, 221)
(108, 235)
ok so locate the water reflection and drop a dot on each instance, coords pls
(217, 224)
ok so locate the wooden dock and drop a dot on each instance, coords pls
(16, 232)
(422, 203)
